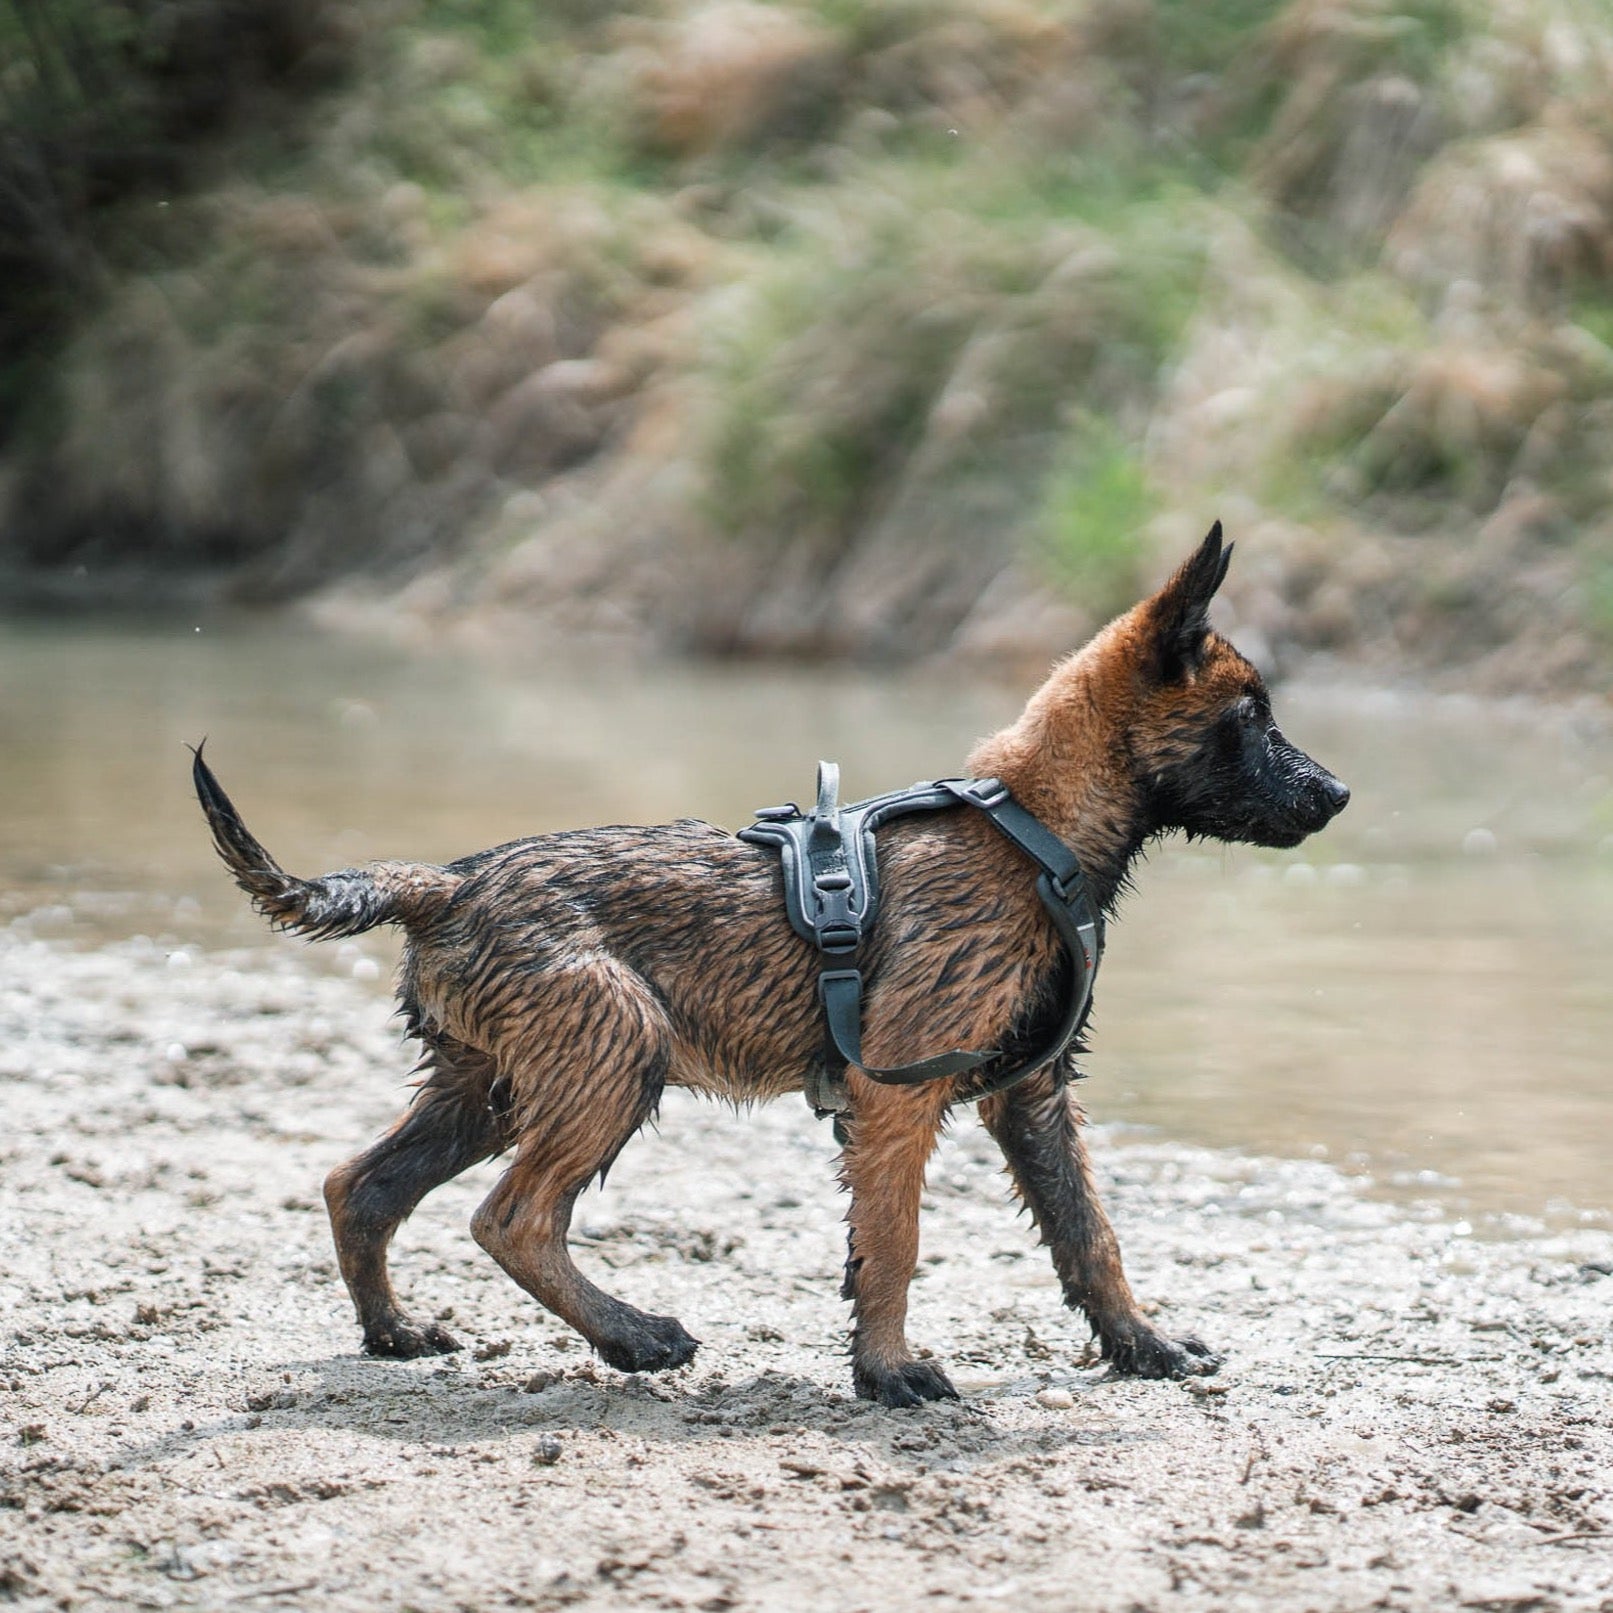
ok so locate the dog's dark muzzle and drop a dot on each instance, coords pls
(1332, 795)
(1313, 797)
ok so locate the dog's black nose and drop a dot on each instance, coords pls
(1337, 793)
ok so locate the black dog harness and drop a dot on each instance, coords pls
(831, 892)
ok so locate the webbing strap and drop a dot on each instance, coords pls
(1062, 887)
(841, 992)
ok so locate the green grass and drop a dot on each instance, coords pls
(971, 288)
(1595, 314)
(502, 101)
(1095, 506)
(1208, 36)
(1599, 596)
(804, 432)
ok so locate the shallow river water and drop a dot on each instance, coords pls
(1423, 993)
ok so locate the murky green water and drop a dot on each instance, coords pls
(1425, 992)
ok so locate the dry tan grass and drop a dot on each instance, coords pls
(1528, 215)
(729, 74)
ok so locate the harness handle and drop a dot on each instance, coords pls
(827, 812)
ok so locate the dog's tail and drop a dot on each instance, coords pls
(344, 903)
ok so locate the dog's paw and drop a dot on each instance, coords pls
(655, 1344)
(1142, 1352)
(910, 1384)
(404, 1341)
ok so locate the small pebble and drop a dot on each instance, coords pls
(1055, 1399)
(538, 1382)
(548, 1451)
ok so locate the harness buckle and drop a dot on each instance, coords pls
(987, 792)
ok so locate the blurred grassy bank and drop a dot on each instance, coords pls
(845, 327)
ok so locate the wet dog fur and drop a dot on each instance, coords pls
(559, 984)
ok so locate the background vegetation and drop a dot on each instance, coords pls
(869, 327)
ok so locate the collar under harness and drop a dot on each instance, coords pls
(831, 893)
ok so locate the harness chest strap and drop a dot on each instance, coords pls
(831, 895)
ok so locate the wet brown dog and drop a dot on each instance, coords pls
(559, 984)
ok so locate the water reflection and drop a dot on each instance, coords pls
(1423, 991)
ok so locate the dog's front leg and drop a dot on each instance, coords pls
(1038, 1124)
(891, 1135)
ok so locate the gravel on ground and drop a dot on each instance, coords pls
(1410, 1416)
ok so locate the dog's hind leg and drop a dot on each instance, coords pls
(892, 1133)
(572, 1130)
(451, 1125)
(1038, 1124)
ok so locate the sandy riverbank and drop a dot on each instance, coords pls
(1408, 1418)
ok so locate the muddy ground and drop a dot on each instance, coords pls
(1410, 1416)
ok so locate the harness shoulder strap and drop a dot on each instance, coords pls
(1062, 886)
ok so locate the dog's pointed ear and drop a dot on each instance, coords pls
(1178, 615)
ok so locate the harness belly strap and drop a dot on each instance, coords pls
(831, 894)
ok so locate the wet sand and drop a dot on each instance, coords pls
(1409, 1417)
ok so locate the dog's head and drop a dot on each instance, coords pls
(1207, 753)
